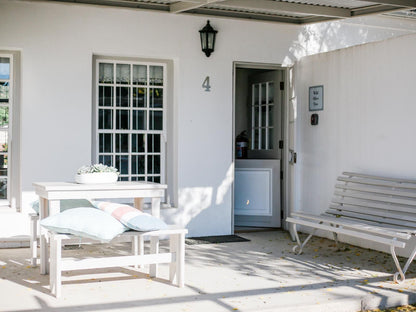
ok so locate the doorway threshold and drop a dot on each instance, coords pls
(249, 229)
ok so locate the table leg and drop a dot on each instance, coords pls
(138, 203)
(45, 209)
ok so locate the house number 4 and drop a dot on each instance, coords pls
(206, 84)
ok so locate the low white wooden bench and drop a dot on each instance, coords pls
(372, 208)
(175, 257)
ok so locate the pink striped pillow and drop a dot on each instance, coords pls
(131, 217)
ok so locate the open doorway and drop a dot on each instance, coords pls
(259, 134)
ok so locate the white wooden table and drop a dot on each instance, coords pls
(50, 194)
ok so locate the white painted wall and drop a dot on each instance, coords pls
(368, 121)
(57, 43)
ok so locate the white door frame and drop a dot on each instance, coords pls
(285, 185)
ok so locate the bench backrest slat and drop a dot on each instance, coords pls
(378, 198)
(376, 190)
(373, 204)
(372, 177)
(378, 182)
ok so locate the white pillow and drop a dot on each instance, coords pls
(131, 217)
(85, 222)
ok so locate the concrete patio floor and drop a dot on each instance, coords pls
(260, 275)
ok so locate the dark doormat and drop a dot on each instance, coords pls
(215, 239)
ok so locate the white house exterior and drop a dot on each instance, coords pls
(366, 125)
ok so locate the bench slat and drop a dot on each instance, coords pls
(359, 216)
(353, 224)
(384, 183)
(376, 190)
(375, 212)
(373, 177)
(353, 233)
(374, 205)
(379, 198)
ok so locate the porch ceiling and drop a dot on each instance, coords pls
(287, 11)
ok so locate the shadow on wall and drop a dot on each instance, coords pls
(199, 207)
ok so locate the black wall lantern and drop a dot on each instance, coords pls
(207, 39)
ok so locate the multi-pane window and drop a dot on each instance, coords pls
(131, 119)
(262, 112)
(5, 102)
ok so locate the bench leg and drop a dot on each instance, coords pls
(55, 275)
(177, 268)
(401, 272)
(154, 249)
(138, 248)
(33, 239)
(299, 244)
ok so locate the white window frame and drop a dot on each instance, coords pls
(11, 80)
(168, 134)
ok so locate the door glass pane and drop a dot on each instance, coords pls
(123, 97)
(3, 188)
(106, 160)
(271, 92)
(122, 119)
(4, 117)
(256, 117)
(156, 98)
(263, 93)
(153, 164)
(137, 143)
(256, 139)
(153, 143)
(256, 94)
(4, 68)
(123, 74)
(263, 116)
(122, 164)
(122, 143)
(139, 97)
(156, 75)
(271, 138)
(137, 164)
(106, 143)
(156, 120)
(271, 119)
(4, 92)
(263, 138)
(105, 96)
(139, 120)
(106, 74)
(139, 74)
(105, 119)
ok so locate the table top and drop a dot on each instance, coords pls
(122, 185)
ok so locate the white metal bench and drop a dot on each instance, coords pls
(175, 257)
(373, 208)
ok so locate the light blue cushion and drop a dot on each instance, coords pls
(85, 222)
(66, 204)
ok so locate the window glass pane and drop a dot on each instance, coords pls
(122, 119)
(4, 68)
(139, 120)
(156, 75)
(155, 179)
(106, 73)
(137, 164)
(153, 143)
(153, 164)
(122, 143)
(105, 96)
(4, 117)
(137, 143)
(106, 143)
(271, 92)
(156, 98)
(123, 74)
(106, 160)
(122, 163)
(123, 96)
(263, 138)
(105, 119)
(139, 97)
(4, 92)
(138, 178)
(123, 178)
(139, 74)
(263, 116)
(256, 139)
(3, 188)
(156, 120)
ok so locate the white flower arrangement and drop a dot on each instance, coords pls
(97, 168)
